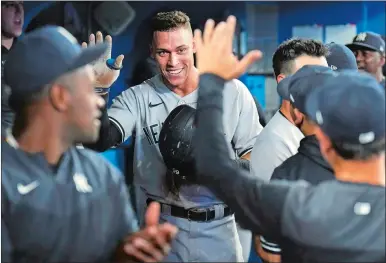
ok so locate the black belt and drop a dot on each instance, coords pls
(199, 214)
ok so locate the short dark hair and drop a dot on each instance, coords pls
(166, 21)
(359, 152)
(293, 48)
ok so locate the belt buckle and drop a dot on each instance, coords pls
(194, 209)
(189, 212)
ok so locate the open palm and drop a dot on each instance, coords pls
(104, 76)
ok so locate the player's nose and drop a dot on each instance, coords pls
(173, 60)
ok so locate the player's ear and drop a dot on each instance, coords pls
(59, 97)
(298, 116)
(280, 77)
(382, 61)
(194, 47)
(325, 145)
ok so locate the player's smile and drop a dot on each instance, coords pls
(174, 72)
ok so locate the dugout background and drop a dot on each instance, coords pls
(263, 25)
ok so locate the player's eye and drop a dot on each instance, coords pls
(182, 50)
(367, 54)
(162, 53)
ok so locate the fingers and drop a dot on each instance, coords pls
(218, 35)
(198, 39)
(91, 40)
(99, 37)
(161, 239)
(247, 60)
(230, 32)
(151, 244)
(118, 61)
(208, 30)
(143, 250)
(152, 214)
(170, 230)
(108, 39)
(109, 42)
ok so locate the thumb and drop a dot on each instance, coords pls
(118, 61)
(152, 214)
(247, 60)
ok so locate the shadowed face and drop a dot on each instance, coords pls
(84, 107)
(368, 60)
(12, 18)
(173, 50)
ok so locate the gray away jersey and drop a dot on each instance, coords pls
(144, 108)
(78, 214)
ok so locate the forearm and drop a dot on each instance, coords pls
(236, 187)
(109, 135)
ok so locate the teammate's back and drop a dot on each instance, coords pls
(334, 222)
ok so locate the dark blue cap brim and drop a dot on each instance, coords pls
(359, 45)
(88, 55)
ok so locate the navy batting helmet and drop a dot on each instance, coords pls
(175, 144)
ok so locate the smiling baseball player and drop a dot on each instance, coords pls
(143, 109)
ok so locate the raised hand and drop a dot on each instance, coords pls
(152, 243)
(105, 76)
(215, 52)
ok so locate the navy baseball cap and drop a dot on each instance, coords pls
(43, 55)
(296, 87)
(349, 107)
(368, 40)
(340, 57)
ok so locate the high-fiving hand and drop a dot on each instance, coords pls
(152, 243)
(104, 76)
(215, 50)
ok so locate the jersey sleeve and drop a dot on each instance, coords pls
(257, 206)
(269, 246)
(248, 125)
(124, 112)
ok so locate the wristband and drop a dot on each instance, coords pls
(111, 64)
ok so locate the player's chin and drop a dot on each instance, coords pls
(176, 81)
(17, 32)
(91, 134)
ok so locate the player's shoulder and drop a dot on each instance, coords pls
(235, 85)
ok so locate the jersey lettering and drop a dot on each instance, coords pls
(152, 133)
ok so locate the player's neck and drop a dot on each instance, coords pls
(379, 75)
(284, 109)
(371, 171)
(189, 85)
(6, 42)
(42, 136)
